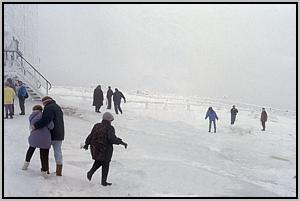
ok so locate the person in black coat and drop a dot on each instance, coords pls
(117, 100)
(263, 118)
(98, 98)
(53, 112)
(101, 140)
(233, 112)
(108, 96)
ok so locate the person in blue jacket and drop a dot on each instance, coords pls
(212, 116)
(22, 95)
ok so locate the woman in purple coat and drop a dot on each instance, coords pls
(39, 138)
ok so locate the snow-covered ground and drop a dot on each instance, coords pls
(169, 154)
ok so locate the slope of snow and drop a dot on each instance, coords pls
(170, 153)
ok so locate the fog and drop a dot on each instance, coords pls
(244, 52)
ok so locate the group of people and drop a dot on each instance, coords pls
(47, 129)
(11, 90)
(212, 116)
(110, 95)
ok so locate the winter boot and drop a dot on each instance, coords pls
(44, 174)
(106, 184)
(89, 176)
(59, 170)
(25, 166)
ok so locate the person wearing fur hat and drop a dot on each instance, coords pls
(39, 138)
(53, 112)
(9, 95)
(101, 141)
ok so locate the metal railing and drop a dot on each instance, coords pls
(14, 61)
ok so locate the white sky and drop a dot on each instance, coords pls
(246, 52)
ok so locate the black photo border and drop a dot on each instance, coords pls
(26, 197)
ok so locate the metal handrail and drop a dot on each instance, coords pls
(30, 66)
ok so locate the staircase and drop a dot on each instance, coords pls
(17, 67)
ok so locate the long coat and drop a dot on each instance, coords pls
(53, 112)
(41, 137)
(101, 141)
(264, 116)
(234, 111)
(98, 97)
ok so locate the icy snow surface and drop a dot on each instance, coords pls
(170, 152)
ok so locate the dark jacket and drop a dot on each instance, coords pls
(117, 97)
(52, 112)
(98, 97)
(109, 93)
(101, 141)
(264, 116)
(234, 111)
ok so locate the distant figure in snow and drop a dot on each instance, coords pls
(233, 112)
(98, 98)
(39, 138)
(108, 96)
(263, 118)
(101, 141)
(211, 114)
(117, 100)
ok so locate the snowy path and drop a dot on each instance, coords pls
(170, 153)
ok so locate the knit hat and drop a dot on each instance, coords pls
(37, 107)
(108, 116)
(46, 100)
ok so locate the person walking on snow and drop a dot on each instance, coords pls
(117, 96)
(22, 95)
(212, 115)
(263, 118)
(98, 98)
(53, 112)
(9, 95)
(233, 112)
(108, 96)
(101, 141)
(39, 138)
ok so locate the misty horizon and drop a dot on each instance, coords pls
(243, 52)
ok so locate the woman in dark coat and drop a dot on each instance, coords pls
(98, 98)
(101, 140)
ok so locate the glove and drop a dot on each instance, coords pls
(125, 145)
(86, 147)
